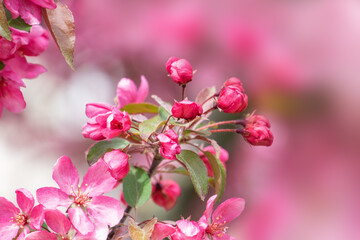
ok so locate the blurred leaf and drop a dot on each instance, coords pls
(135, 108)
(138, 233)
(197, 171)
(219, 174)
(204, 132)
(2, 65)
(60, 22)
(4, 26)
(212, 142)
(163, 113)
(149, 126)
(167, 106)
(20, 24)
(100, 148)
(180, 170)
(203, 95)
(136, 187)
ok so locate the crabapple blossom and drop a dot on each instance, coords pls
(232, 99)
(224, 156)
(161, 231)
(258, 120)
(126, 91)
(257, 135)
(187, 230)
(235, 82)
(186, 109)
(165, 193)
(117, 163)
(169, 144)
(180, 70)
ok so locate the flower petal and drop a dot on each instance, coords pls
(93, 109)
(7, 210)
(43, 235)
(126, 92)
(57, 221)
(143, 90)
(66, 175)
(36, 217)
(52, 197)
(161, 231)
(80, 221)
(45, 3)
(25, 200)
(30, 12)
(105, 210)
(8, 230)
(101, 232)
(228, 210)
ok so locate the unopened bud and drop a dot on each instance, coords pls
(180, 70)
(186, 109)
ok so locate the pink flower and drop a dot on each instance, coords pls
(127, 92)
(232, 99)
(186, 109)
(224, 156)
(213, 223)
(180, 70)
(258, 120)
(161, 231)
(169, 144)
(117, 163)
(105, 121)
(84, 202)
(14, 221)
(257, 135)
(165, 193)
(30, 10)
(187, 230)
(11, 96)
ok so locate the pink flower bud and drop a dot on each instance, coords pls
(186, 109)
(258, 135)
(224, 156)
(180, 70)
(258, 120)
(117, 163)
(232, 99)
(233, 81)
(187, 230)
(169, 144)
(165, 193)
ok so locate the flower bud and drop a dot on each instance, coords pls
(232, 99)
(169, 144)
(117, 163)
(233, 81)
(180, 70)
(224, 156)
(165, 193)
(258, 135)
(186, 109)
(258, 120)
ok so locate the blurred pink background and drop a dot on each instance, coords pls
(299, 62)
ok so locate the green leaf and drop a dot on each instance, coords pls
(167, 106)
(163, 114)
(20, 24)
(204, 132)
(135, 108)
(100, 148)
(136, 187)
(149, 126)
(180, 170)
(60, 22)
(203, 95)
(4, 26)
(219, 174)
(2, 65)
(197, 171)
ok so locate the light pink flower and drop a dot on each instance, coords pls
(213, 223)
(15, 221)
(29, 10)
(161, 231)
(105, 121)
(169, 144)
(117, 163)
(165, 193)
(224, 156)
(83, 201)
(180, 70)
(187, 230)
(127, 92)
(186, 109)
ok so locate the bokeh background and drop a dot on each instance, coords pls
(299, 61)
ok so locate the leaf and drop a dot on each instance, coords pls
(20, 24)
(163, 113)
(197, 171)
(212, 142)
(180, 170)
(149, 126)
(204, 132)
(136, 108)
(100, 148)
(4, 26)
(137, 233)
(136, 187)
(60, 22)
(203, 95)
(2, 65)
(167, 106)
(219, 174)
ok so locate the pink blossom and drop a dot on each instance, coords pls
(224, 156)
(235, 82)
(14, 221)
(186, 109)
(257, 135)
(85, 203)
(29, 10)
(105, 121)
(165, 193)
(127, 92)
(187, 230)
(161, 231)
(11, 96)
(169, 144)
(180, 70)
(213, 223)
(258, 120)
(117, 163)
(232, 99)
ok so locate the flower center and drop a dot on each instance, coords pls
(81, 200)
(216, 228)
(19, 219)
(116, 125)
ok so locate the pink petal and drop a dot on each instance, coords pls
(80, 221)
(13, 6)
(50, 4)
(209, 208)
(93, 109)
(57, 221)
(7, 210)
(30, 12)
(8, 230)
(161, 231)
(36, 217)
(117, 163)
(23, 233)
(25, 200)
(33, 70)
(12, 98)
(101, 232)
(222, 236)
(97, 180)
(66, 175)
(143, 90)
(52, 197)
(105, 210)
(43, 235)
(126, 92)
(228, 210)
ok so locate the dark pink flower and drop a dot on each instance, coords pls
(127, 92)
(187, 230)
(169, 144)
(257, 120)
(29, 10)
(161, 231)
(224, 156)
(105, 121)
(232, 99)
(186, 109)
(213, 223)
(30, 43)
(258, 135)
(117, 163)
(235, 82)
(85, 203)
(11, 96)
(14, 221)
(180, 70)
(165, 193)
